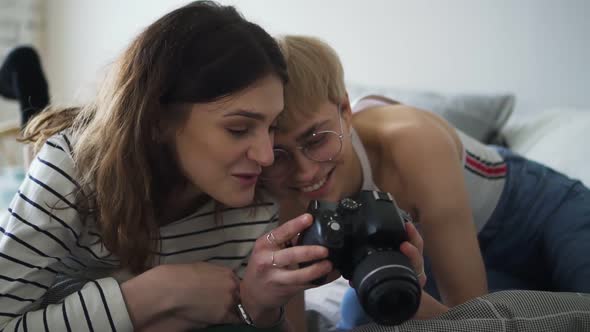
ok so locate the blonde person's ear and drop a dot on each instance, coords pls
(346, 110)
(345, 104)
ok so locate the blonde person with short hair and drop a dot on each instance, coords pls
(490, 218)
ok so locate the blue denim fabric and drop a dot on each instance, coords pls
(538, 237)
(351, 312)
(539, 234)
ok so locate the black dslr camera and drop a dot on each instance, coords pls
(363, 234)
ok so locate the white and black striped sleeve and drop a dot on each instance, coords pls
(38, 238)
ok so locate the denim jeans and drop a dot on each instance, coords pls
(538, 237)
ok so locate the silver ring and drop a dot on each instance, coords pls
(272, 259)
(421, 273)
(270, 237)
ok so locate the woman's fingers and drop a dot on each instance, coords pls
(297, 255)
(304, 276)
(283, 234)
(317, 265)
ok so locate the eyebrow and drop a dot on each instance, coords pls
(310, 130)
(247, 114)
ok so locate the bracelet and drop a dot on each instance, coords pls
(248, 320)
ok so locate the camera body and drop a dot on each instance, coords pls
(363, 234)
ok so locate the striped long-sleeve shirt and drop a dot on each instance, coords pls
(42, 236)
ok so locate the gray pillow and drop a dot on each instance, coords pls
(481, 116)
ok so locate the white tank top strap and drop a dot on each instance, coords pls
(371, 101)
(368, 183)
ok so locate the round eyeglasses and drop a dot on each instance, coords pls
(321, 146)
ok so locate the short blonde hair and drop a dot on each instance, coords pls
(315, 76)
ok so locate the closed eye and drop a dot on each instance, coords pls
(237, 132)
(317, 140)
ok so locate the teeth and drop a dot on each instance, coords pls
(314, 186)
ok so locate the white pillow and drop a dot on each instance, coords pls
(558, 138)
(326, 300)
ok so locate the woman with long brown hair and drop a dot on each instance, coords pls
(148, 192)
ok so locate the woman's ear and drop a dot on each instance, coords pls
(166, 129)
(164, 133)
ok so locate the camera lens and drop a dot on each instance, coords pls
(392, 302)
(387, 287)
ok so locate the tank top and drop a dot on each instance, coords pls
(484, 169)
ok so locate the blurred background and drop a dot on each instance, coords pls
(535, 49)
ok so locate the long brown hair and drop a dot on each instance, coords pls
(198, 53)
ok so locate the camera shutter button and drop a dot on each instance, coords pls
(334, 233)
(334, 225)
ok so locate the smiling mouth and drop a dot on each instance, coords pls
(316, 186)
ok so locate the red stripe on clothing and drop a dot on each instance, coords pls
(486, 169)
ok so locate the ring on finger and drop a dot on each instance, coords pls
(272, 259)
(421, 273)
(270, 237)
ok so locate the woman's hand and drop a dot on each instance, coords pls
(272, 277)
(182, 296)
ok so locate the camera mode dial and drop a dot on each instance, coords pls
(349, 204)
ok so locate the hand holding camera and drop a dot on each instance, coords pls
(363, 235)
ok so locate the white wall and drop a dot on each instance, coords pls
(537, 49)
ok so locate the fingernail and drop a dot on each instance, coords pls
(306, 218)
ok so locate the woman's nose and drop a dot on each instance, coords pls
(261, 151)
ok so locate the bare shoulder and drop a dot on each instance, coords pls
(391, 125)
(403, 137)
(409, 150)
(384, 117)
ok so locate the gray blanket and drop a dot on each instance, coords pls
(509, 311)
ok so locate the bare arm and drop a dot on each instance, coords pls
(430, 308)
(171, 296)
(40, 231)
(413, 249)
(295, 311)
(428, 162)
